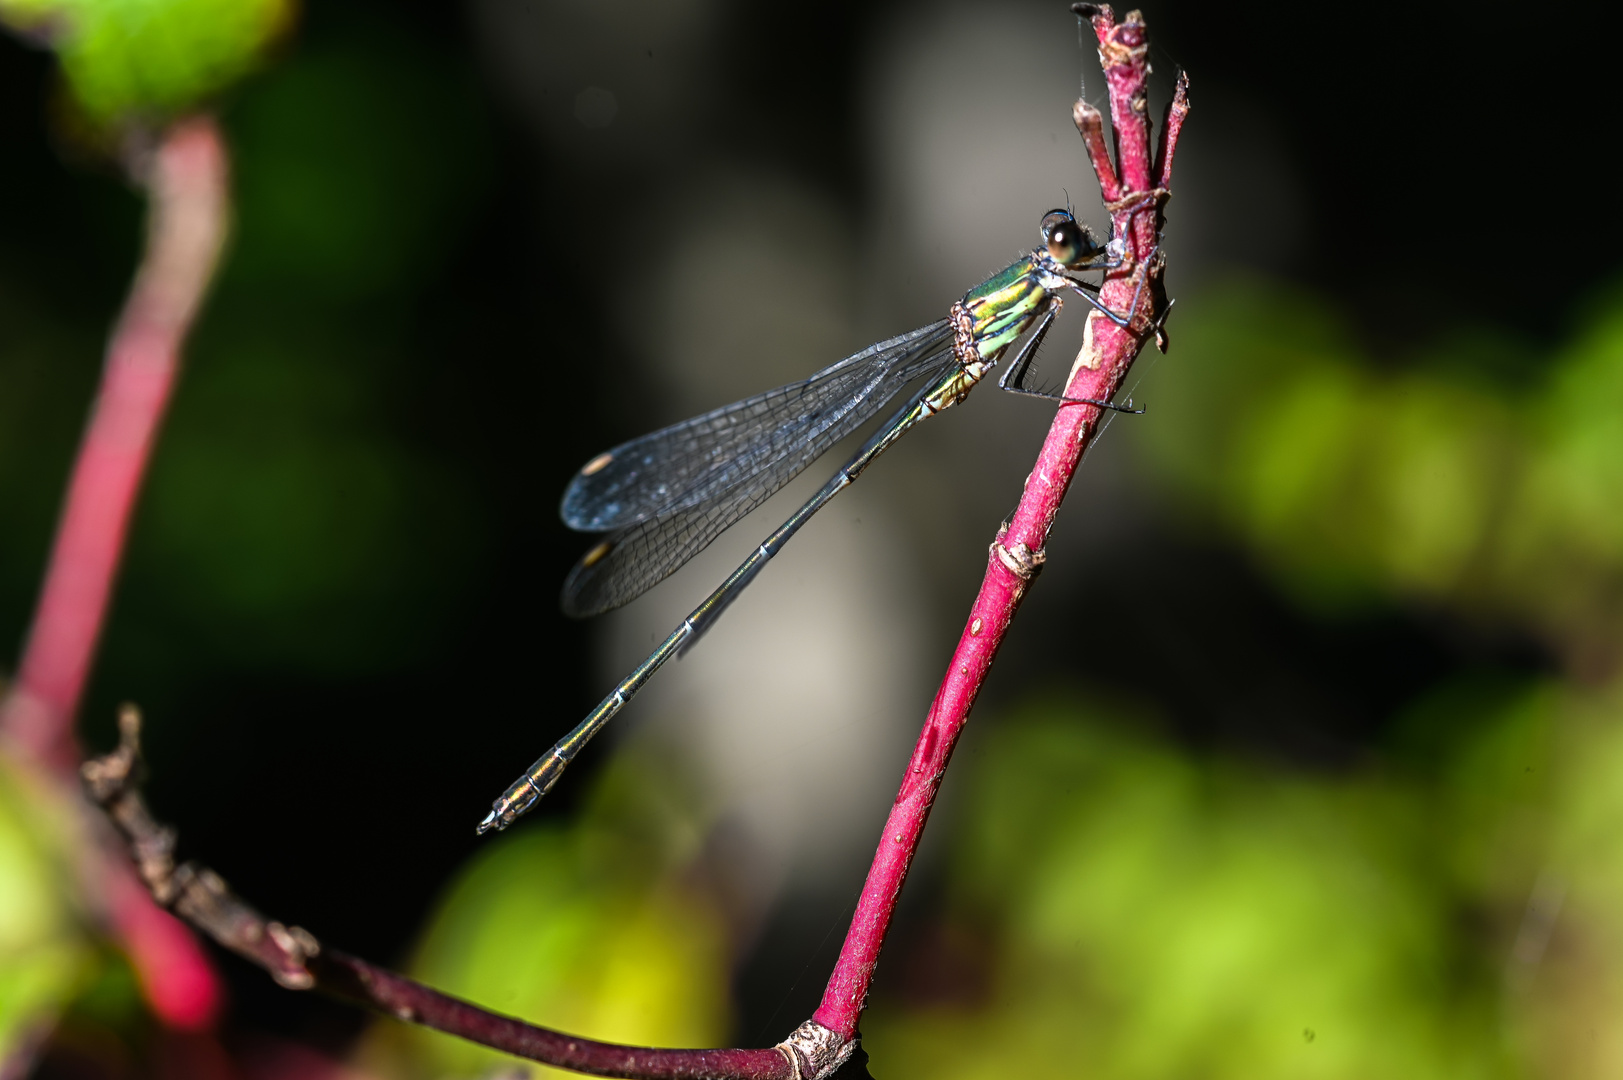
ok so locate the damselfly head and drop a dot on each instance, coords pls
(1070, 243)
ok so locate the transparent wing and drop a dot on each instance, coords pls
(633, 560)
(701, 459)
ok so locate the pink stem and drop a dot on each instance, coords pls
(186, 181)
(374, 987)
(1017, 555)
(176, 978)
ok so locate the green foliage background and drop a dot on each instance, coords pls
(1448, 907)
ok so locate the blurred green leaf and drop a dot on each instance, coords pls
(44, 957)
(589, 929)
(149, 60)
(1354, 481)
(1162, 916)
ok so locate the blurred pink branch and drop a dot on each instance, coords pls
(1134, 196)
(187, 217)
(188, 212)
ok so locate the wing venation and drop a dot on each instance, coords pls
(638, 556)
(698, 459)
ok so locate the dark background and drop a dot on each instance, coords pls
(330, 755)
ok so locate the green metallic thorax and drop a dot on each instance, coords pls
(1005, 305)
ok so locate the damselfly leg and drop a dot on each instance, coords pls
(1011, 380)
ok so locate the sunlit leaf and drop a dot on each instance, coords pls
(148, 60)
(44, 957)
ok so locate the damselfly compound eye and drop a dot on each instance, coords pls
(1068, 240)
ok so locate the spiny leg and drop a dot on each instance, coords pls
(1016, 372)
(1014, 376)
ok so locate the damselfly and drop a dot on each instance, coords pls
(664, 497)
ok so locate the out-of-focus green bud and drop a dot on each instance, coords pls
(133, 62)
